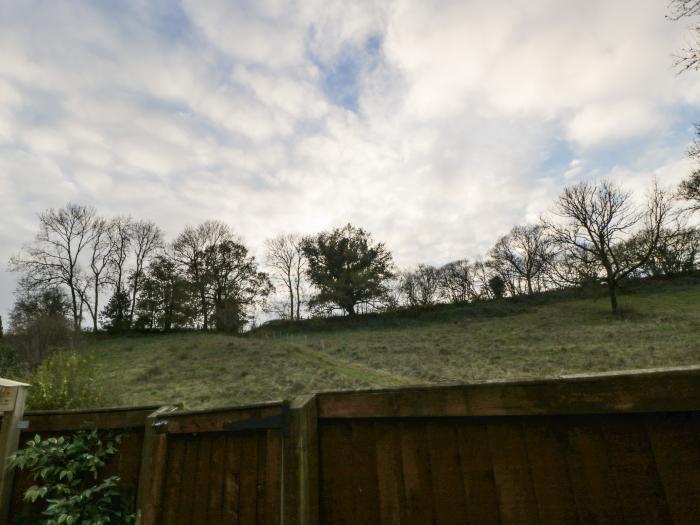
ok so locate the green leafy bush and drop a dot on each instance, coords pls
(66, 380)
(66, 471)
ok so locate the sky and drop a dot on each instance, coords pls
(435, 124)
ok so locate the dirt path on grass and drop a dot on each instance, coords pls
(371, 376)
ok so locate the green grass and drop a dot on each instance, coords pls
(508, 339)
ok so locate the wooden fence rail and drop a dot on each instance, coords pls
(606, 448)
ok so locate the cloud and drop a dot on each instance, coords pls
(437, 125)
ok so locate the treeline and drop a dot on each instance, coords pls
(120, 274)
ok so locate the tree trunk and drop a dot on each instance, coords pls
(76, 317)
(96, 311)
(612, 290)
(133, 298)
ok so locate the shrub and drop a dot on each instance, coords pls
(68, 486)
(66, 380)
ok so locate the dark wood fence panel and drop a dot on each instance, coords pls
(223, 478)
(616, 468)
(214, 475)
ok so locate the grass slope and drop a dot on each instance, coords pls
(661, 327)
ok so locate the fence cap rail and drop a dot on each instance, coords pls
(644, 390)
(103, 410)
(11, 383)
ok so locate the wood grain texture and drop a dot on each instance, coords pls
(663, 390)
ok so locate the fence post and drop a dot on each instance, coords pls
(12, 398)
(300, 481)
(152, 469)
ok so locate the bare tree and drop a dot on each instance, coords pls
(598, 219)
(189, 251)
(100, 252)
(120, 237)
(482, 275)
(285, 259)
(457, 281)
(525, 253)
(689, 57)
(147, 238)
(421, 286)
(53, 258)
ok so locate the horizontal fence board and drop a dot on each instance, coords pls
(664, 390)
(106, 419)
(213, 421)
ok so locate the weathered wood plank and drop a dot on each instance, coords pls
(232, 481)
(392, 500)
(216, 481)
(151, 477)
(188, 484)
(592, 479)
(479, 482)
(9, 440)
(261, 487)
(364, 461)
(417, 476)
(516, 495)
(642, 498)
(548, 467)
(675, 442)
(203, 479)
(447, 482)
(173, 484)
(249, 477)
(337, 474)
(101, 419)
(273, 478)
(301, 464)
(214, 421)
(665, 390)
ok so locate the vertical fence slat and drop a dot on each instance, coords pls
(152, 472)
(9, 439)
(300, 495)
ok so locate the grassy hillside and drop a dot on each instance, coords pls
(543, 337)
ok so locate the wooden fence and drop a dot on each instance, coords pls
(609, 448)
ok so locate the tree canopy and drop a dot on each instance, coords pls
(347, 268)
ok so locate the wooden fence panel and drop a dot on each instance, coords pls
(216, 475)
(619, 448)
(616, 468)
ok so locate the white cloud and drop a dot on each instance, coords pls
(220, 110)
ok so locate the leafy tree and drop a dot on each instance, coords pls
(497, 286)
(189, 250)
(233, 281)
(116, 312)
(165, 301)
(347, 268)
(689, 190)
(2, 332)
(39, 321)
